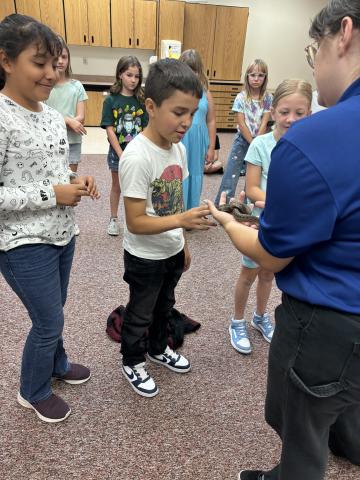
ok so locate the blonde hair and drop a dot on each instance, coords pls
(192, 58)
(291, 86)
(263, 69)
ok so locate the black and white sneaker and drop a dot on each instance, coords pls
(140, 380)
(251, 475)
(172, 360)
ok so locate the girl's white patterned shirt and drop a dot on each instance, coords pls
(33, 158)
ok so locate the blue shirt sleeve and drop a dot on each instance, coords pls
(300, 210)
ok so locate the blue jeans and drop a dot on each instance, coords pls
(234, 165)
(39, 275)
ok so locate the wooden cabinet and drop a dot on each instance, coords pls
(139, 29)
(88, 22)
(171, 20)
(222, 47)
(7, 7)
(50, 12)
(224, 96)
(93, 107)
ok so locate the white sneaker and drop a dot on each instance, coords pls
(113, 227)
(76, 229)
(173, 360)
(140, 380)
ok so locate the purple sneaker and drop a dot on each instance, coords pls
(51, 410)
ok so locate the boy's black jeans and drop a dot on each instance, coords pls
(313, 393)
(152, 296)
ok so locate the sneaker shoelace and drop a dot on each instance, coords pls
(266, 324)
(171, 354)
(140, 371)
(240, 329)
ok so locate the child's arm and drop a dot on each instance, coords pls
(264, 121)
(245, 132)
(252, 183)
(211, 125)
(139, 223)
(114, 142)
(76, 123)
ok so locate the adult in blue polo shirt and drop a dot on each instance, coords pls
(310, 236)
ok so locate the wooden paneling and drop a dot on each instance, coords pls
(224, 96)
(29, 7)
(145, 24)
(94, 106)
(7, 7)
(230, 33)
(171, 20)
(122, 32)
(76, 22)
(52, 14)
(199, 30)
(99, 23)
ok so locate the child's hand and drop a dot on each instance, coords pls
(196, 218)
(222, 217)
(210, 156)
(76, 126)
(90, 184)
(70, 194)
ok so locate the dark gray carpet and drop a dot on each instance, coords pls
(206, 425)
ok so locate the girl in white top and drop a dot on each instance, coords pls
(37, 194)
(292, 101)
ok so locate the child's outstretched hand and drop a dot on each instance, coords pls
(196, 218)
(89, 183)
(70, 194)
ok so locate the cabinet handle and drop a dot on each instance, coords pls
(207, 72)
(214, 73)
(129, 41)
(92, 38)
(137, 42)
(85, 39)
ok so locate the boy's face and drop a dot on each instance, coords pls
(170, 121)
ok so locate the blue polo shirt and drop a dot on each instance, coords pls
(313, 206)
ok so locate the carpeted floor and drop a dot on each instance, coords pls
(206, 425)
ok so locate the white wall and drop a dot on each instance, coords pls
(277, 32)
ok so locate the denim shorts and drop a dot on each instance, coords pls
(113, 160)
(74, 153)
(248, 263)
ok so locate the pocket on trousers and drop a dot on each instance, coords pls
(348, 378)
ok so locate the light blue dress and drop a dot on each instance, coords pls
(196, 141)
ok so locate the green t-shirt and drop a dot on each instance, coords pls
(127, 116)
(64, 98)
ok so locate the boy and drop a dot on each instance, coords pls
(151, 172)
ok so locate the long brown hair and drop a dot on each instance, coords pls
(193, 59)
(123, 64)
(68, 71)
(263, 68)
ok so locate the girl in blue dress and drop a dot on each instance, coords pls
(199, 140)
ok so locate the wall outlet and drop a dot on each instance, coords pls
(85, 61)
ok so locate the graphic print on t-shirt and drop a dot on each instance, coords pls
(167, 198)
(127, 122)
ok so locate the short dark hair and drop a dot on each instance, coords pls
(328, 20)
(18, 32)
(167, 75)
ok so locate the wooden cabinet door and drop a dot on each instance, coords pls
(52, 14)
(29, 7)
(76, 19)
(93, 107)
(171, 20)
(7, 7)
(199, 31)
(99, 23)
(145, 24)
(122, 23)
(230, 33)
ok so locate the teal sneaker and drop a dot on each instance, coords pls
(264, 325)
(239, 336)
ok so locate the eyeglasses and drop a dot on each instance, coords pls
(257, 75)
(311, 51)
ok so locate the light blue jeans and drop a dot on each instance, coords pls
(39, 275)
(234, 165)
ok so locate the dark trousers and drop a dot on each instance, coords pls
(313, 393)
(152, 296)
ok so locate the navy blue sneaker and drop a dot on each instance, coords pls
(173, 360)
(140, 380)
